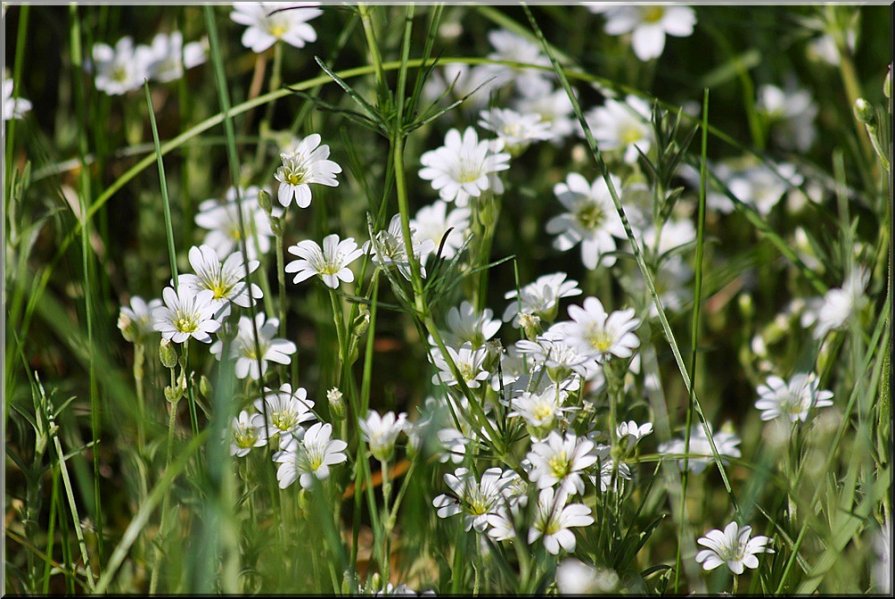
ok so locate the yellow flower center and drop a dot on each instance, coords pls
(246, 438)
(630, 135)
(559, 465)
(277, 29)
(542, 411)
(590, 216)
(600, 340)
(653, 14)
(186, 324)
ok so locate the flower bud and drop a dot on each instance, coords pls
(173, 394)
(747, 306)
(205, 387)
(887, 84)
(264, 201)
(531, 325)
(336, 403)
(127, 328)
(167, 354)
(864, 111)
(361, 321)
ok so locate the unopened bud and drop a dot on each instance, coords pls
(264, 201)
(167, 354)
(126, 325)
(205, 387)
(276, 225)
(173, 394)
(336, 403)
(864, 111)
(531, 325)
(747, 306)
(361, 321)
(887, 84)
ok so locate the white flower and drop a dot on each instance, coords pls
(574, 577)
(310, 457)
(287, 410)
(554, 519)
(244, 350)
(464, 81)
(649, 25)
(307, 163)
(732, 547)
(834, 310)
(516, 130)
(121, 69)
(700, 449)
(791, 400)
(246, 432)
(224, 279)
(561, 360)
(222, 222)
(760, 187)
(539, 410)
(169, 56)
(467, 325)
(329, 263)
(460, 169)
(602, 335)
(13, 108)
(467, 360)
(591, 219)
(454, 445)
(552, 105)
(540, 298)
(136, 322)
(502, 527)
(476, 500)
(269, 22)
(792, 113)
(509, 46)
(610, 470)
(387, 248)
(558, 460)
(623, 126)
(882, 569)
(446, 231)
(380, 432)
(632, 433)
(185, 314)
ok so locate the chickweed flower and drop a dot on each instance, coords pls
(221, 220)
(247, 432)
(623, 126)
(602, 335)
(700, 449)
(224, 279)
(476, 500)
(245, 351)
(574, 577)
(631, 433)
(169, 57)
(834, 310)
(539, 410)
(136, 321)
(387, 248)
(460, 169)
(310, 457)
(554, 519)
(121, 69)
(329, 263)
(516, 130)
(559, 460)
(552, 105)
(468, 325)
(270, 22)
(648, 25)
(468, 361)
(287, 410)
(732, 547)
(380, 432)
(791, 400)
(509, 46)
(445, 230)
(590, 219)
(13, 108)
(186, 314)
(307, 163)
(540, 298)
(792, 112)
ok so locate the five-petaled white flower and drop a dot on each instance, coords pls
(330, 263)
(387, 248)
(516, 130)
(602, 335)
(559, 460)
(622, 126)
(732, 547)
(247, 431)
(224, 279)
(512, 47)
(380, 432)
(540, 298)
(286, 410)
(136, 321)
(554, 519)
(270, 22)
(838, 306)
(552, 105)
(446, 230)
(476, 500)
(791, 400)
(468, 325)
(631, 433)
(13, 108)
(791, 112)
(168, 56)
(121, 69)
(186, 314)
(539, 410)
(308, 162)
(468, 361)
(700, 450)
(460, 169)
(247, 353)
(648, 25)
(591, 219)
(221, 220)
(310, 457)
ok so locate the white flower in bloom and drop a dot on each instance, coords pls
(185, 314)
(760, 187)
(502, 527)
(791, 400)
(509, 46)
(121, 69)
(467, 325)
(700, 449)
(387, 248)
(574, 577)
(552, 105)
(13, 108)
(561, 360)
(594, 331)
(834, 310)
(224, 279)
(460, 169)
(446, 230)
(733, 548)
(329, 263)
(554, 519)
(476, 500)
(473, 83)
(539, 410)
(648, 25)
(310, 457)
(287, 410)
(516, 130)
(559, 460)
(623, 126)
(135, 321)
(454, 445)
(221, 220)
(308, 162)
(468, 361)
(631, 433)
(269, 22)
(169, 56)
(610, 470)
(244, 349)
(380, 432)
(540, 298)
(246, 432)
(792, 113)
(591, 219)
